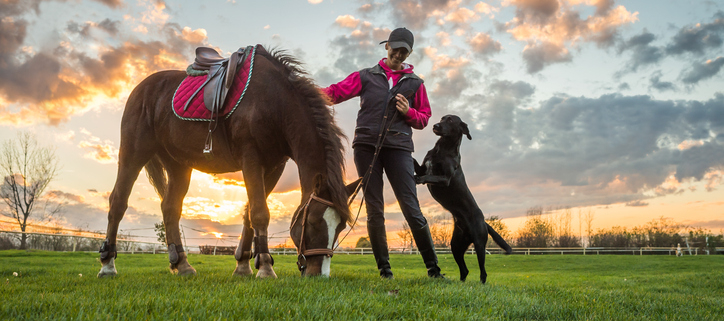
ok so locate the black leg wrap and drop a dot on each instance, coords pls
(260, 246)
(107, 250)
(240, 255)
(173, 252)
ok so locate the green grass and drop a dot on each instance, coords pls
(519, 287)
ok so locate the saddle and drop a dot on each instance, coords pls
(221, 75)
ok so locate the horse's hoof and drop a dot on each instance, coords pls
(266, 269)
(266, 273)
(108, 269)
(243, 269)
(186, 271)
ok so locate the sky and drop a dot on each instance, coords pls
(603, 106)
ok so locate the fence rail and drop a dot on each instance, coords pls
(75, 243)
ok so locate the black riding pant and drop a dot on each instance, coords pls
(399, 167)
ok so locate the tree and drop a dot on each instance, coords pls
(537, 231)
(27, 169)
(363, 242)
(497, 224)
(160, 230)
(588, 217)
(405, 235)
(564, 237)
(440, 230)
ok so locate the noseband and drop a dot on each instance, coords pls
(302, 251)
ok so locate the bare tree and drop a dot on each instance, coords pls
(588, 217)
(27, 169)
(405, 236)
(440, 230)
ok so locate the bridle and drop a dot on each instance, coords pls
(302, 251)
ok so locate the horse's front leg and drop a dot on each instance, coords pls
(259, 216)
(243, 251)
(178, 184)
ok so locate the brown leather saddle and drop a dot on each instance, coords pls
(221, 74)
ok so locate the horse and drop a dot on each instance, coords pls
(283, 116)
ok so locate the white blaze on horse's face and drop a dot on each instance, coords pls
(333, 220)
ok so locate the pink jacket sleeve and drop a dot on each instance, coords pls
(348, 88)
(418, 116)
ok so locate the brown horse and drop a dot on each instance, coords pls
(283, 116)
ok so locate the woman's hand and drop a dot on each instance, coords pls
(402, 104)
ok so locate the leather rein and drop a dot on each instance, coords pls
(302, 251)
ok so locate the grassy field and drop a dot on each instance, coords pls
(49, 286)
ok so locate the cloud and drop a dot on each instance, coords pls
(58, 194)
(102, 152)
(347, 21)
(484, 45)
(538, 56)
(65, 78)
(315, 1)
(416, 14)
(583, 151)
(699, 38)
(486, 9)
(637, 203)
(701, 71)
(643, 53)
(656, 83)
(358, 49)
(550, 27)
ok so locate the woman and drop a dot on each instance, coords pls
(393, 97)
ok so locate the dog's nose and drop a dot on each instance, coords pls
(436, 126)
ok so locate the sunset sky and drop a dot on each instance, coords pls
(615, 107)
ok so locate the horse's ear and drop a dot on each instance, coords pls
(465, 130)
(351, 187)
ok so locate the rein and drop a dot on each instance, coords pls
(302, 251)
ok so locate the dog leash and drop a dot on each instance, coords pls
(384, 129)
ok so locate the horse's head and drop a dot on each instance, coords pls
(315, 228)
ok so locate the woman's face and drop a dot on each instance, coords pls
(395, 57)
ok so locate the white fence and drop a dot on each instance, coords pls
(75, 243)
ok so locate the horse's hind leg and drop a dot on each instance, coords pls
(179, 177)
(132, 158)
(243, 251)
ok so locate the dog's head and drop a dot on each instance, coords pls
(451, 126)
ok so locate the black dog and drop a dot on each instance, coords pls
(444, 177)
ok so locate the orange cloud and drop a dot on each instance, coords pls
(51, 85)
(347, 21)
(551, 27)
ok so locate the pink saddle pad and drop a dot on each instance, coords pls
(197, 110)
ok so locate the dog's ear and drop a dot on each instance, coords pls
(466, 131)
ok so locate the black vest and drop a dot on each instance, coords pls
(378, 100)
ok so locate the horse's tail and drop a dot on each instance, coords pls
(156, 174)
(499, 239)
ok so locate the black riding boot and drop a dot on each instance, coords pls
(378, 239)
(423, 239)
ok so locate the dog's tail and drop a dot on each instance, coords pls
(499, 239)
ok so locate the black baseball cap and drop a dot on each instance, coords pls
(400, 38)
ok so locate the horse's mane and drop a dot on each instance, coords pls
(327, 128)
